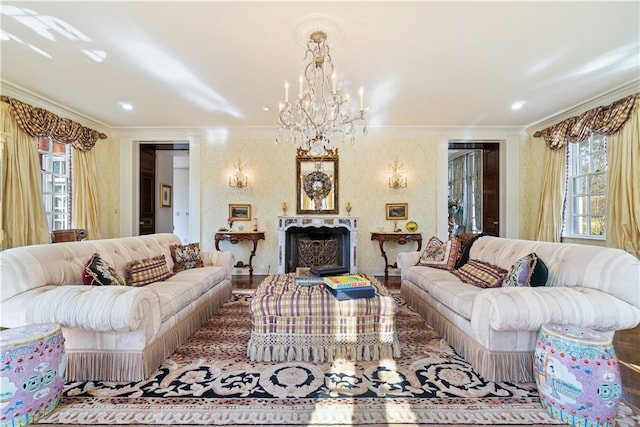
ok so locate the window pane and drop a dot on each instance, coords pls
(580, 224)
(584, 148)
(47, 183)
(597, 226)
(599, 162)
(598, 142)
(580, 205)
(580, 185)
(47, 201)
(584, 166)
(597, 184)
(597, 205)
(58, 147)
(43, 144)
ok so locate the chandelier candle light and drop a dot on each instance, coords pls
(321, 114)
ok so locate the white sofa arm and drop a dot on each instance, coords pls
(525, 308)
(224, 259)
(97, 308)
(407, 259)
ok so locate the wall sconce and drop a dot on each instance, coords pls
(238, 179)
(397, 178)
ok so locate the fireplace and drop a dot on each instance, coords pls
(312, 241)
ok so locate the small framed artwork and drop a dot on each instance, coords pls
(165, 196)
(240, 212)
(397, 211)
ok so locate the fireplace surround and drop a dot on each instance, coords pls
(325, 236)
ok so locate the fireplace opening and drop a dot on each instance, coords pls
(316, 246)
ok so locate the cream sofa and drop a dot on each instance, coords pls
(115, 333)
(495, 329)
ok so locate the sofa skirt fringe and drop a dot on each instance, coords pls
(134, 366)
(492, 366)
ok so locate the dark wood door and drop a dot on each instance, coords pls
(491, 191)
(147, 190)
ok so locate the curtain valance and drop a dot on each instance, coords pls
(602, 120)
(38, 122)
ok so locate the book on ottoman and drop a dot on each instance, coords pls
(347, 281)
(329, 270)
(353, 293)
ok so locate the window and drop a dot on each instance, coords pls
(585, 216)
(55, 173)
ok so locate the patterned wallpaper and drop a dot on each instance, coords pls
(363, 169)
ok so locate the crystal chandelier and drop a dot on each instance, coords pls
(320, 116)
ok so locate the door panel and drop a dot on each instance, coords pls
(147, 190)
(491, 191)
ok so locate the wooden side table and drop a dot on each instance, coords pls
(236, 236)
(400, 238)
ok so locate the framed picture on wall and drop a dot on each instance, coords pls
(397, 211)
(240, 212)
(165, 196)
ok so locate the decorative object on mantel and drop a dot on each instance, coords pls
(284, 208)
(238, 179)
(317, 183)
(348, 208)
(321, 114)
(397, 178)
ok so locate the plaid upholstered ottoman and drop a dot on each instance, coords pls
(307, 323)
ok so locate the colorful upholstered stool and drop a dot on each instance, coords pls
(32, 372)
(577, 375)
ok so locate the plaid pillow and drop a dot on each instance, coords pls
(98, 272)
(481, 274)
(186, 256)
(145, 271)
(438, 254)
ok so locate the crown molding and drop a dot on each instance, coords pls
(35, 100)
(603, 99)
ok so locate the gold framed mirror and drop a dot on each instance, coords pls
(317, 183)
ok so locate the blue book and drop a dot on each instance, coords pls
(353, 293)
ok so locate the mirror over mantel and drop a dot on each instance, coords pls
(317, 183)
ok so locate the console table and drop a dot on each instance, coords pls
(237, 236)
(398, 237)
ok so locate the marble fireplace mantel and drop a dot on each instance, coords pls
(287, 222)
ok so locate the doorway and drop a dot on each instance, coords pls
(474, 187)
(164, 189)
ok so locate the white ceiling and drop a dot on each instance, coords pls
(217, 64)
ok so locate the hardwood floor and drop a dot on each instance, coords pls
(251, 282)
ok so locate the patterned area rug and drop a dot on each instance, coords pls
(210, 381)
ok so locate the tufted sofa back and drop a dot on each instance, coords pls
(610, 270)
(29, 267)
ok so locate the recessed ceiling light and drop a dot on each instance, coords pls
(266, 109)
(517, 105)
(126, 106)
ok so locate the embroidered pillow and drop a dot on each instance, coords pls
(186, 256)
(439, 254)
(481, 274)
(529, 270)
(98, 272)
(145, 271)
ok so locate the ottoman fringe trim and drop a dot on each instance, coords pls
(270, 348)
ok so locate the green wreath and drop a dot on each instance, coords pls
(317, 185)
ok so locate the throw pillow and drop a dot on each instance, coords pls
(481, 274)
(145, 271)
(186, 256)
(466, 241)
(526, 271)
(98, 272)
(439, 254)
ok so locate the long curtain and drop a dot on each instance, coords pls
(550, 215)
(85, 189)
(617, 122)
(23, 215)
(623, 182)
